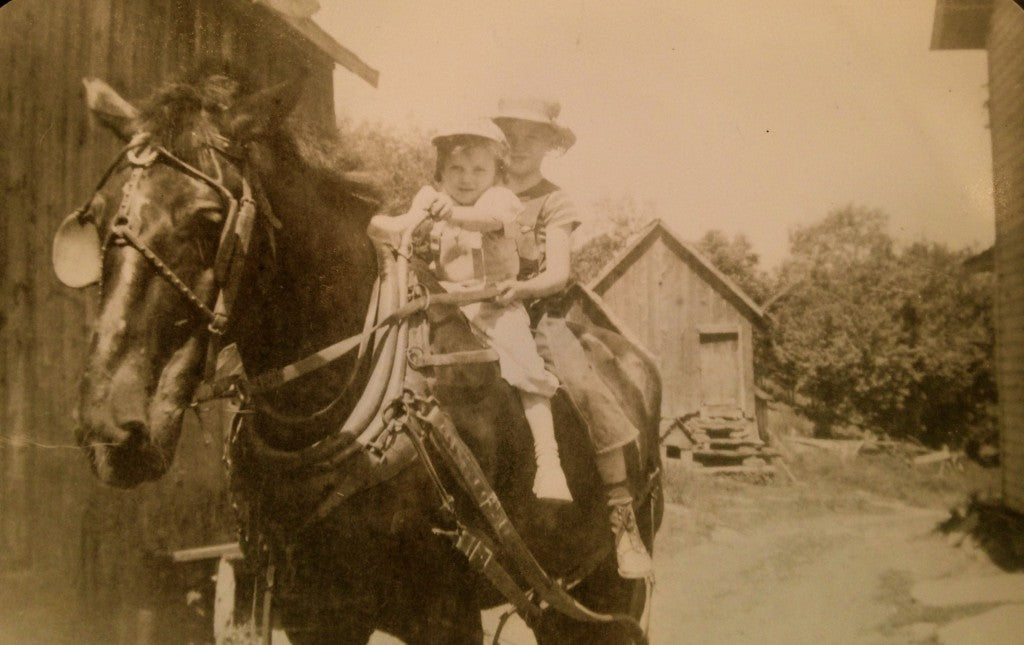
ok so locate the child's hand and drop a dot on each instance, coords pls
(442, 207)
(511, 291)
(430, 202)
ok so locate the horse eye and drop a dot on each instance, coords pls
(213, 215)
(208, 211)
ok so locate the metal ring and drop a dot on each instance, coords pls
(143, 156)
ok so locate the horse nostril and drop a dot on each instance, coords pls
(133, 431)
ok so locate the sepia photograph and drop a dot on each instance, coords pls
(584, 322)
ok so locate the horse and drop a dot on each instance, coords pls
(202, 150)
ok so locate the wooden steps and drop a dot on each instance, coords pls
(728, 444)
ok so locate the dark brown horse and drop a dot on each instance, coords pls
(374, 561)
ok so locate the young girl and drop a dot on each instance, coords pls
(545, 225)
(475, 241)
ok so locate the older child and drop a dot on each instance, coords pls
(545, 225)
(475, 240)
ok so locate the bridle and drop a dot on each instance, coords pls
(240, 213)
(233, 248)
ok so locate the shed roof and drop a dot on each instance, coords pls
(312, 32)
(961, 24)
(980, 262)
(722, 283)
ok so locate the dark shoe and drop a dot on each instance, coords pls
(630, 551)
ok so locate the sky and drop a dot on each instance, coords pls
(746, 117)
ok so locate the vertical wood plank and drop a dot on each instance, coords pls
(16, 290)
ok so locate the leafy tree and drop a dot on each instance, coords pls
(590, 258)
(619, 220)
(397, 161)
(897, 339)
(736, 258)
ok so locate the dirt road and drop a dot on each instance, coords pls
(821, 562)
(837, 578)
(791, 564)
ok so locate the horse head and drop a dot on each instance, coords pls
(153, 235)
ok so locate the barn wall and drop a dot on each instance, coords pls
(1006, 69)
(667, 301)
(55, 516)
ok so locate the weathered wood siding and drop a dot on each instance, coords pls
(51, 155)
(669, 302)
(1006, 107)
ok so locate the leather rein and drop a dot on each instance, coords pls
(377, 424)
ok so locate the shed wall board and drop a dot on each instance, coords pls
(665, 300)
(1006, 107)
(51, 154)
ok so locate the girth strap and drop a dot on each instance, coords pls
(457, 456)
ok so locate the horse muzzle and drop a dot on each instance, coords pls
(123, 456)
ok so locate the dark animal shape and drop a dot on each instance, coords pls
(374, 561)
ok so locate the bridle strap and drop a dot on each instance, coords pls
(131, 239)
(140, 154)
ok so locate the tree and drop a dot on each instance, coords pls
(398, 162)
(897, 339)
(619, 220)
(736, 258)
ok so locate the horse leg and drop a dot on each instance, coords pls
(432, 609)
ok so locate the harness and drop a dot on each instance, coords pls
(389, 420)
(236, 233)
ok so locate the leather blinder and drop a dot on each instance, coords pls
(76, 251)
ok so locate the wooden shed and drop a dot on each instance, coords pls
(55, 518)
(695, 321)
(998, 27)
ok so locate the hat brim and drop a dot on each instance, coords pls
(564, 136)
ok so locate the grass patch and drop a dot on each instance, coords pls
(894, 477)
(826, 484)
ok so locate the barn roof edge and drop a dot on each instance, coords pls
(657, 226)
(316, 36)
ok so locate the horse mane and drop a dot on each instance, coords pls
(213, 86)
(326, 160)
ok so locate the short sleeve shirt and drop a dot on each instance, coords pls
(472, 257)
(545, 205)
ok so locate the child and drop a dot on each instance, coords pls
(475, 245)
(549, 217)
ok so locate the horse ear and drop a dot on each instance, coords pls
(112, 111)
(258, 113)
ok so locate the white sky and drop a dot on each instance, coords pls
(744, 116)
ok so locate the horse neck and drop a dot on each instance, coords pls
(316, 288)
(325, 262)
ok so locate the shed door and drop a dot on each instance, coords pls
(720, 384)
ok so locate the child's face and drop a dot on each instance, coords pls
(467, 173)
(529, 142)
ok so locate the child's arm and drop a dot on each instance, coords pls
(496, 209)
(559, 222)
(555, 276)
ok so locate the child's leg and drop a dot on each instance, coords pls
(549, 483)
(634, 560)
